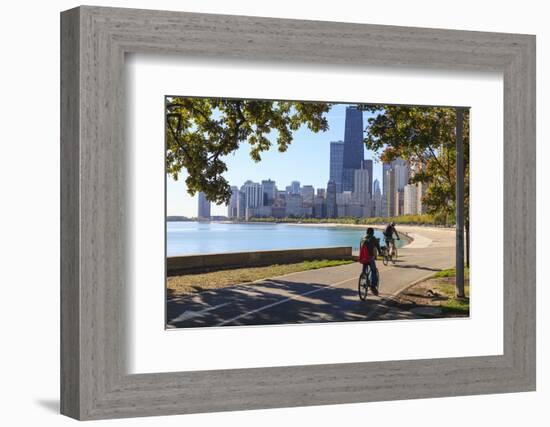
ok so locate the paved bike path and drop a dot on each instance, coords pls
(324, 295)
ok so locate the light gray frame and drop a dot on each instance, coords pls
(94, 41)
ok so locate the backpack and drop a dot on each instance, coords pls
(364, 255)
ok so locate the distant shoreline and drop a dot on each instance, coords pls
(326, 224)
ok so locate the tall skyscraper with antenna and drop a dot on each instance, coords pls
(353, 146)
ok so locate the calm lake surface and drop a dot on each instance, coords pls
(185, 238)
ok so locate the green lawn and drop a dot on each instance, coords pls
(446, 287)
(191, 283)
(451, 272)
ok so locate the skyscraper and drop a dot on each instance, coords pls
(204, 206)
(308, 193)
(376, 187)
(377, 198)
(319, 206)
(253, 197)
(331, 200)
(401, 168)
(361, 191)
(367, 164)
(353, 146)
(294, 205)
(336, 163)
(386, 167)
(410, 199)
(232, 207)
(390, 193)
(241, 205)
(395, 177)
(295, 187)
(399, 202)
(269, 191)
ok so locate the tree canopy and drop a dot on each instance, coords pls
(426, 137)
(201, 131)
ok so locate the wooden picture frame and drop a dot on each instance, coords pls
(94, 382)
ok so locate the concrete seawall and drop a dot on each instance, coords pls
(207, 262)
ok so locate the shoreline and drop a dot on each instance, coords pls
(336, 224)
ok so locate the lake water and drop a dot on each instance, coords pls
(185, 238)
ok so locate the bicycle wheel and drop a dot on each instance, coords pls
(393, 254)
(385, 260)
(363, 286)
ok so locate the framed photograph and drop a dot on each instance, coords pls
(261, 213)
(266, 253)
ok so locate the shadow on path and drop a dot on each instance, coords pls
(273, 302)
(417, 267)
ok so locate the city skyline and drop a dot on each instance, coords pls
(349, 191)
(315, 148)
(266, 200)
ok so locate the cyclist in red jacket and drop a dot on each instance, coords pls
(367, 256)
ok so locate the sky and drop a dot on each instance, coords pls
(306, 160)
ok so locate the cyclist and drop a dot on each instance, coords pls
(388, 235)
(367, 256)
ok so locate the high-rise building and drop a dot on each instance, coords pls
(336, 164)
(386, 167)
(204, 206)
(376, 187)
(353, 146)
(395, 177)
(319, 207)
(399, 202)
(377, 199)
(331, 199)
(321, 192)
(295, 187)
(410, 199)
(402, 172)
(344, 202)
(232, 207)
(361, 193)
(308, 193)
(390, 192)
(344, 198)
(269, 192)
(241, 205)
(253, 197)
(294, 204)
(367, 164)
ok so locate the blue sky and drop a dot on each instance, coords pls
(306, 160)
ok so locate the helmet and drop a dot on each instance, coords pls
(392, 223)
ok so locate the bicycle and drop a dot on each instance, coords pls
(392, 251)
(386, 258)
(365, 282)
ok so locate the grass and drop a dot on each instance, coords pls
(447, 288)
(192, 283)
(451, 272)
(452, 304)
